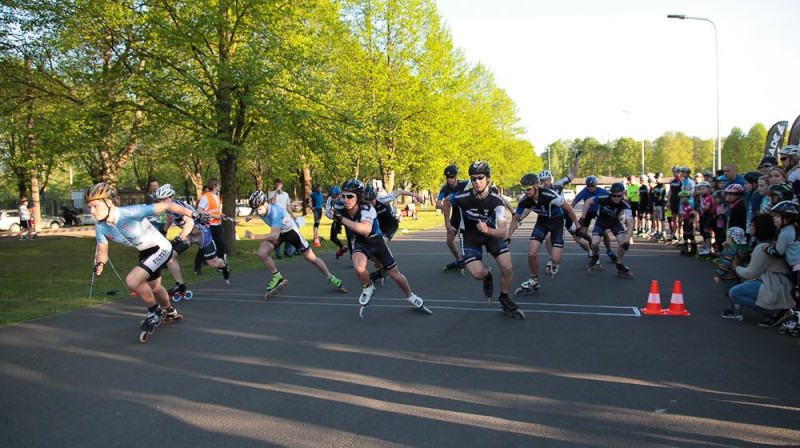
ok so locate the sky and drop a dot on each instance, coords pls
(613, 68)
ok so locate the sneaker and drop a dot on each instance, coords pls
(772, 321)
(488, 285)
(732, 314)
(275, 280)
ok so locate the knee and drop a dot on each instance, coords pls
(506, 271)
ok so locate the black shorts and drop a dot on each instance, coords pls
(294, 238)
(707, 224)
(634, 208)
(374, 246)
(473, 243)
(674, 208)
(389, 233)
(601, 226)
(644, 208)
(26, 224)
(455, 219)
(590, 215)
(688, 227)
(154, 259)
(554, 226)
(317, 216)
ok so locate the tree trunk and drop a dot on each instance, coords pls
(227, 170)
(35, 200)
(306, 179)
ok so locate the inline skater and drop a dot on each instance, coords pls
(387, 221)
(590, 213)
(452, 185)
(546, 178)
(283, 230)
(482, 221)
(129, 226)
(197, 234)
(609, 209)
(334, 198)
(549, 207)
(365, 239)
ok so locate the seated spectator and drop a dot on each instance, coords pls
(735, 253)
(766, 287)
(786, 214)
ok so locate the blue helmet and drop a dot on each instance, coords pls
(335, 191)
(591, 181)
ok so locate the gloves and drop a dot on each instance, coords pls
(507, 240)
(98, 267)
(177, 241)
(771, 250)
(577, 154)
(202, 218)
(626, 245)
(337, 216)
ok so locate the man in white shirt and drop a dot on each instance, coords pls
(281, 198)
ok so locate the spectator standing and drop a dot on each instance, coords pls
(281, 198)
(25, 222)
(211, 204)
(731, 177)
(317, 198)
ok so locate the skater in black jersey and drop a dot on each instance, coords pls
(550, 208)
(366, 241)
(609, 209)
(452, 185)
(483, 223)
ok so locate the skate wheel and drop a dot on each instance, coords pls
(425, 309)
(342, 290)
(519, 314)
(176, 298)
(363, 311)
(518, 291)
(268, 295)
(188, 295)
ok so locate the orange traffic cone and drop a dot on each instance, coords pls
(653, 301)
(316, 242)
(676, 306)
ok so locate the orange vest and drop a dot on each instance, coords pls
(214, 207)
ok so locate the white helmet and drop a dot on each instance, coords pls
(545, 174)
(791, 151)
(165, 191)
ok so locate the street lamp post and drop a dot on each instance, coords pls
(716, 64)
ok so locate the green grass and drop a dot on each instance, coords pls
(53, 274)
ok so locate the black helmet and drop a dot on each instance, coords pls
(786, 208)
(782, 190)
(257, 199)
(617, 187)
(354, 185)
(529, 180)
(752, 176)
(480, 167)
(450, 171)
(369, 193)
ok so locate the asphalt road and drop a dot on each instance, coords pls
(585, 369)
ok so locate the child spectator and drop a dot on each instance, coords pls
(689, 218)
(785, 214)
(737, 209)
(735, 253)
(763, 190)
(720, 219)
(704, 203)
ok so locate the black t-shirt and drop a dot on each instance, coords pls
(547, 206)
(659, 195)
(447, 190)
(608, 211)
(364, 212)
(644, 195)
(472, 209)
(386, 219)
(737, 215)
(675, 187)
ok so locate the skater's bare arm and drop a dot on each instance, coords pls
(272, 237)
(515, 221)
(576, 165)
(446, 210)
(571, 213)
(363, 228)
(101, 257)
(586, 206)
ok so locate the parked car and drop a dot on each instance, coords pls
(569, 195)
(9, 220)
(86, 219)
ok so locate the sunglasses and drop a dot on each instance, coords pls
(765, 165)
(528, 188)
(474, 178)
(784, 158)
(616, 195)
(348, 196)
(451, 177)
